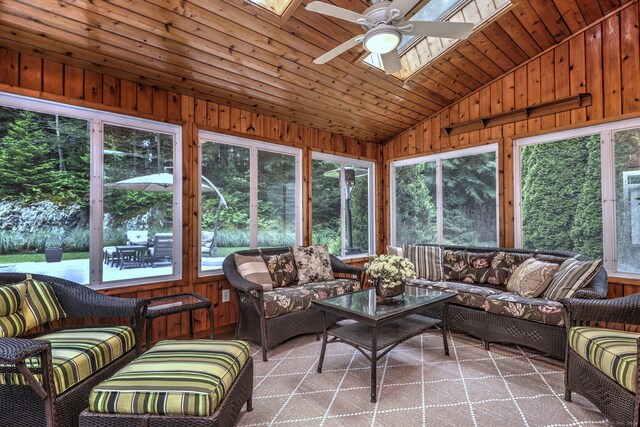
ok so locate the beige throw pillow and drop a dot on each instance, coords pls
(254, 269)
(531, 278)
(394, 250)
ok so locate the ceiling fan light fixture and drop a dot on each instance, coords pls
(382, 40)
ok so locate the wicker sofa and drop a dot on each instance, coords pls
(32, 366)
(264, 319)
(487, 311)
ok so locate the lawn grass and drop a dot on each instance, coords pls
(18, 258)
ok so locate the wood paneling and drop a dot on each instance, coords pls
(31, 76)
(235, 54)
(592, 61)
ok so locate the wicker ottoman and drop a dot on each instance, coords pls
(176, 383)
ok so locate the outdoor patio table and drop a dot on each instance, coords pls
(131, 256)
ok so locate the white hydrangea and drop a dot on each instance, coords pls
(390, 269)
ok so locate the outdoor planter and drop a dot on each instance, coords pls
(53, 254)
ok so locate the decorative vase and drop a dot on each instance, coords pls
(53, 254)
(388, 291)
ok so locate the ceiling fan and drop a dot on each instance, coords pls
(384, 24)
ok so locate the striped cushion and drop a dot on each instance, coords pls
(12, 298)
(42, 305)
(613, 352)
(77, 353)
(254, 269)
(571, 276)
(173, 378)
(427, 260)
(12, 325)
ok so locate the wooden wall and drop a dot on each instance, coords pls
(31, 76)
(603, 60)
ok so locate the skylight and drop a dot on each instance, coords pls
(276, 6)
(432, 11)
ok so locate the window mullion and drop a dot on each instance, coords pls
(607, 165)
(96, 154)
(253, 198)
(393, 239)
(343, 213)
(439, 203)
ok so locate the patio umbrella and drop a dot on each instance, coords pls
(163, 182)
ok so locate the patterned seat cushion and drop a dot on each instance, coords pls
(535, 309)
(469, 295)
(612, 352)
(285, 300)
(173, 378)
(77, 353)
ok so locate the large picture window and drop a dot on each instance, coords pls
(87, 204)
(342, 211)
(579, 191)
(250, 197)
(448, 198)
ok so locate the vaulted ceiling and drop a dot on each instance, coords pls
(236, 53)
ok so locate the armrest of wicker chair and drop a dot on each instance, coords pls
(596, 289)
(616, 310)
(15, 350)
(343, 268)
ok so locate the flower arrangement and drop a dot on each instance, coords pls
(389, 270)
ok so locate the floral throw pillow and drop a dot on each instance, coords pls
(531, 278)
(313, 263)
(282, 269)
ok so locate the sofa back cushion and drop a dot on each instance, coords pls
(12, 298)
(282, 269)
(313, 263)
(254, 269)
(503, 265)
(42, 305)
(571, 276)
(428, 261)
(467, 267)
(531, 278)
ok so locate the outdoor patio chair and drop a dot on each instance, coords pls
(162, 250)
(138, 237)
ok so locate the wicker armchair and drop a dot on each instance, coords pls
(617, 403)
(269, 332)
(37, 404)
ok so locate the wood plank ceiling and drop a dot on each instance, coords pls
(232, 52)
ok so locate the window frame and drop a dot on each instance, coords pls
(254, 146)
(371, 166)
(438, 158)
(608, 183)
(96, 120)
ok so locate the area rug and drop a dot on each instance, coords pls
(417, 386)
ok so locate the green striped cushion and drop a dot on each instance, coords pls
(613, 352)
(571, 276)
(77, 353)
(173, 378)
(427, 260)
(12, 298)
(42, 304)
(12, 325)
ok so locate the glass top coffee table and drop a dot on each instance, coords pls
(381, 325)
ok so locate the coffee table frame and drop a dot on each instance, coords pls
(378, 336)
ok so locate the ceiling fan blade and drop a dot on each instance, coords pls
(335, 11)
(404, 6)
(391, 62)
(338, 50)
(450, 30)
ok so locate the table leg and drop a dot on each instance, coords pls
(210, 310)
(324, 340)
(374, 360)
(190, 324)
(445, 327)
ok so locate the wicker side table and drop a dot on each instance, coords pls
(173, 304)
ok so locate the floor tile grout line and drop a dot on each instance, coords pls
(535, 368)
(506, 384)
(346, 372)
(293, 393)
(272, 369)
(464, 384)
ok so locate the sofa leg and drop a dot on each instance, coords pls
(264, 353)
(486, 344)
(567, 394)
(250, 405)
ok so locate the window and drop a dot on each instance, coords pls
(250, 196)
(342, 212)
(88, 181)
(448, 198)
(578, 191)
